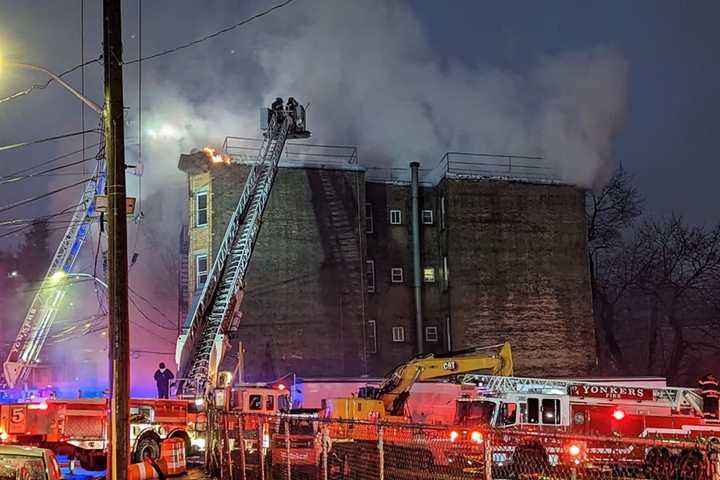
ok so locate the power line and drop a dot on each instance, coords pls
(52, 160)
(159, 325)
(208, 37)
(44, 195)
(48, 139)
(65, 211)
(152, 305)
(43, 173)
(45, 85)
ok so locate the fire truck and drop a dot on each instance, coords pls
(79, 427)
(586, 421)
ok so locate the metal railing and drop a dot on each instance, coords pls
(243, 150)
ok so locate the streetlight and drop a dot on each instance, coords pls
(61, 275)
(50, 74)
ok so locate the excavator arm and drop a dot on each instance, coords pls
(395, 390)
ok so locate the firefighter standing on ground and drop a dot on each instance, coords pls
(162, 378)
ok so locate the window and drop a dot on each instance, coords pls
(372, 337)
(429, 275)
(370, 273)
(255, 402)
(396, 275)
(398, 334)
(427, 217)
(442, 213)
(431, 334)
(551, 411)
(369, 224)
(269, 403)
(395, 217)
(201, 209)
(533, 411)
(201, 270)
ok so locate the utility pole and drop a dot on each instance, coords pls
(119, 330)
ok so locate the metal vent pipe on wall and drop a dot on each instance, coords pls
(417, 279)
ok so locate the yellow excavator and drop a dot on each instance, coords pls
(389, 400)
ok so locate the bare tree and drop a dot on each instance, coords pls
(613, 268)
(685, 262)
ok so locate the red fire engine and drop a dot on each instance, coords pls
(586, 416)
(79, 427)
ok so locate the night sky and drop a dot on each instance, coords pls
(587, 85)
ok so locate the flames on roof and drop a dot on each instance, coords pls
(216, 157)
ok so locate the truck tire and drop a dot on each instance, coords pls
(659, 464)
(146, 444)
(530, 459)
(691, 465)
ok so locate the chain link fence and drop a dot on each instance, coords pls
(288, 447)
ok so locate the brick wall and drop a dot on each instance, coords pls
(304, 298)
(518, 271)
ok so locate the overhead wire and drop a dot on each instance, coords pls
(35, 198)
(45, 140)
(210, 36)
(11, 179)
(46, 84)
(65, 211)
(52, 160)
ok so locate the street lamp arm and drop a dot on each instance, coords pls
(92, 277)
(62, 82)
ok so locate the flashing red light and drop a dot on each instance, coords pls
(4, 436)
(454, 435)
(574, 450)
(618, 414)
(476, 437)
(281, 387)
(38, 406)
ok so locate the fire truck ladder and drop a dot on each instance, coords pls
(25, 351)
(677, 398)
(200, 347)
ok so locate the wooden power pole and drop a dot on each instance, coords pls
(119, 330)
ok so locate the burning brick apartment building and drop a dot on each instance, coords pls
(331, 286)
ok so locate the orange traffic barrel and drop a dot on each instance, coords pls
(146, 470)
(172, 454)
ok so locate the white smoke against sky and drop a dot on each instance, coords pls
(373, 80)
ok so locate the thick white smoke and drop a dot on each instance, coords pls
(373, 79)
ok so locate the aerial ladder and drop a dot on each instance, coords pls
(202, 344)
(25, 350)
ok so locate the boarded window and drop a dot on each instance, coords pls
(372, 337)
(369, 222)
(370, 274)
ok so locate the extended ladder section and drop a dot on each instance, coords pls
(677, 398)
(201, 346)
(25, 351)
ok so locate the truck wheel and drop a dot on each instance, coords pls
(530, 458)
(149, 445)
(659, 464)
(691, 465)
